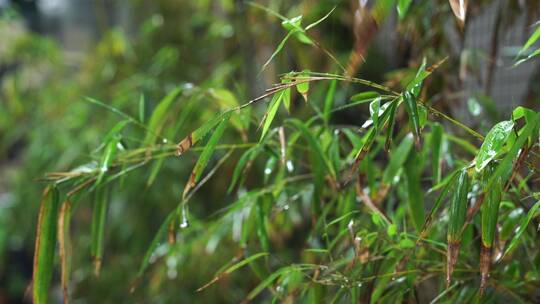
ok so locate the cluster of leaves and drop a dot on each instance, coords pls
(369, 236)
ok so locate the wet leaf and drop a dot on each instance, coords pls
(414, 119)
(493, 143)
(458, 212)
(45, 245)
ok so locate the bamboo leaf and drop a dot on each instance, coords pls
(45, 245)
(490, 214)
(446, 188)
(412, 112)
(271, 113)
(195, 136)
(329, 101)
(458, 212)
(157, 120)
(504, 169)
(522, 227)
(493, 143)
(64, 244)
(99, 217)
(436, 148)
(266, 282)
(364, 97)
(532, 39)
(403, 7)
(206, 154)
(374, 108)
(141, 108)
(303, 86)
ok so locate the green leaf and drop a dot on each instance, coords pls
(245, 261)
(458, 211)
(112, 139)
(329, 100)
(157, 120)
(45, 245)
(504, 169)
(364, 97)
(99, 216)
(397, 159)
(458, 208)
(206, 154)
(271, 278)
(446, 188)
(403, 7)
(271, 113)
(374, 108)
(522, 227)
(493, 143)
(141, 108)
(490, 214)
(532, 39)
(303, 86)
(474, 107)
(313, 143)
(412, 112)
(436, 148)
(195, 136)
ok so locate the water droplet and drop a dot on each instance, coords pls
(359, 284)
(351, 224)
(104, 169)
(184, 222)
(286, 207)
(267, 171)
(164, 141)
(290, 166)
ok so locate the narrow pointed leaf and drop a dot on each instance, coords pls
(271, 113)
(458, 212)
(532, 39)
(329, 101)
(206, 154)
(414, 119)
(436, 148)
(195, 136)
(490, 215)
(415, 194)
(64, 244)
(99, 217)
(45, 245)
(157, 120)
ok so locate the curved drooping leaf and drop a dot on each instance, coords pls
(99, 217)
(45, 245)
(412, 112)
(271, 112)
(493, 143)
(157, 120)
